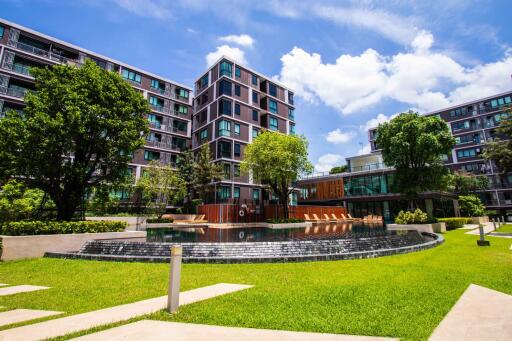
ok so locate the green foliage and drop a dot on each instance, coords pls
(466, 183)
(186, 165)
(160, 186)
(414, 145)
(77, 131)
(27, 228)
(205, 172)
(338, 169)
(285, 221)
(159, 220)
(408, 217)
(277, 160)
(105, 199)
(500, 149)
(471, 206)
(17, 202)
(455, 223)
(507, 228)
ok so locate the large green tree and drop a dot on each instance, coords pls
(338, 169)
(205, 172)
(500, 149)
(465, 183)
(77, 131)
(414, 146)
(277, 160)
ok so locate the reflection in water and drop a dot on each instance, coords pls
(263, 234)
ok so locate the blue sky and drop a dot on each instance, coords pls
(352, 64)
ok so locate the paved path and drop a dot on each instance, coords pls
(21, 315)
(479, 314)
(488, 228)
(159, 330)
(20, 288)
(85, 321)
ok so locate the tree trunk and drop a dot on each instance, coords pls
(66, 208)
(286, 213)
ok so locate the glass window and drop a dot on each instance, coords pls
(272, 106)
(226, 69)
(130, 75)
(236, 171)
(290, 97)
(225, 107)
(1, 32)
(272, 89)
(237, 149)
(255, 133)
(224, 149)
(227, 170)
(237, 109)
(254, 79)
(225, 88)
(151, 155)
(255, 115)
(224, 192)
(292, 129)
(224, 128)
(254, 97)
(291, 114)
(237, 90)
(237, 129)
(236, 192)
(273, 123)
(204, 80)
(203, 135)
(183, 93)
(155, 84)
(238, 72)
(182, 109)
(179, 125)
(255, 194)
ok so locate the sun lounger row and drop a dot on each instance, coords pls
(196, 219)
(373, 218)
(332, 218)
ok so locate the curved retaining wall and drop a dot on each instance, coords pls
(257, 252)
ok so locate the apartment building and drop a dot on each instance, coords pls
(170, 102)
(233, 103)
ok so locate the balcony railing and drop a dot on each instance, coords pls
(18, 68)
(43, 53)
(368, 167)
(163, 145)
(159, 108)
(14, 92)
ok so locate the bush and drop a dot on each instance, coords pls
(28, 228)
(285, 221)
(454, 223)
(408, 217)
(159, 220)
(471, 206)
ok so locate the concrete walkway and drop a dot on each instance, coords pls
(479, 314)
(488, 228)
(21, 315)
(20, 288)
(159, 330)
(85, 321)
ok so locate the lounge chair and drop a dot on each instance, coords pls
(351, 218)
(345, 218)
(307, 218)
(200, 219)
(338, 219)
(326, 216)
(318, 219)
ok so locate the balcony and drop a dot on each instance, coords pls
(159, 108)
(18, 68)
(163, 145)
(369, 167)
(43, 53)
(14, 92)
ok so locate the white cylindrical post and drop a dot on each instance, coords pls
(173, 298)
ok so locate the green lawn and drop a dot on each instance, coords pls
(403, 296)
(505, 228)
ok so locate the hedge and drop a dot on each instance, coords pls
(455, 223)
(285, 221)
(28, 228)
(159, 220)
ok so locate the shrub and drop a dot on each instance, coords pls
(408, 217)
(454, 223)
(27, 228)
(159, 220)
(285, 221)
(471, 206)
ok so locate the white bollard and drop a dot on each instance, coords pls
(173, 298)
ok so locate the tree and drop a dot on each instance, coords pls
(465, 183)
(186, 165)
(160, 186)
(77, 131)
(205, 172)
(17, 202)
(471, 206)
(108, 196)
(338, 169)
(500, 150)
(277, 160)
(414, 145)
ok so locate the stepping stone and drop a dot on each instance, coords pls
(479, 314)
(20, 315)
(20, 288)
(74, 323)
(160, 330)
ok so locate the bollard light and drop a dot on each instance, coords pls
(173, 295)
(482, 241)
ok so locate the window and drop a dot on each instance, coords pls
(238, 72)
(461, 154)
(495, 103)
(273, 123)
(254, 79)
(224, 192)
(226, 69)
(237, 149)
(182, 93)
(255, 194)
(291, 114)
(1, 32)
(255, 133)
(237, 90)
(154, 137)
(203, 135)
(459, 112)
(237, 109)
(236, 171)
(224, 128)
(155, 121)
(272, 106)
(237, 129)
(157, 102)
(179, 125)
(290, 97)
(224, 88)
(236, 192)
(272, 89)
(204, 80)
(155, 84)
(255, 115)
(225, 107)
(224, 149)
(181, 109)
(130, 75)
(460, 125)
(151, 155)
(226, 170)
(292, 129)
(254, 97)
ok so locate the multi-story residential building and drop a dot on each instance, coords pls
(171, 102)
(232, 104)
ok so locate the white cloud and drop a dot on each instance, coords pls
(374, 122)
(421, 78)
(228, 51)
(191, 30)
(339, 137)
(367, 149)
(244, 40)
(146, 8)
(327, 161)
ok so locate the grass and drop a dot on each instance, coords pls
(403, 296)
(507, 228)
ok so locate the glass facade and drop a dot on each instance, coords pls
(369, 185)
(226, 69)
